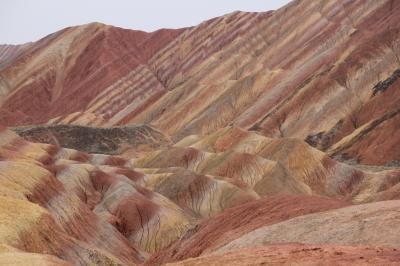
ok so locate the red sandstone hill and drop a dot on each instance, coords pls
(251, 139)
(73, 66)
(324, 72)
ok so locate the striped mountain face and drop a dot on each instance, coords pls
(251, 139)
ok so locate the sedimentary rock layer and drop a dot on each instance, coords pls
(323, 71)
(95, 208)
(264, 138)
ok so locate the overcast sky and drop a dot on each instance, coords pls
(29, 20)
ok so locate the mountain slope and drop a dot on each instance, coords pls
(261, 71)
(71, 67)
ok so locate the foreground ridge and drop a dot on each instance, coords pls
(204, 195)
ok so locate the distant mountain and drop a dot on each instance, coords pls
(326, 72)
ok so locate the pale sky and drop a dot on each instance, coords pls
(29, 20)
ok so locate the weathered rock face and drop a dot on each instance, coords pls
(115, 140)
(220, 144)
